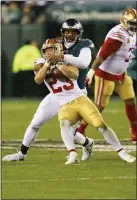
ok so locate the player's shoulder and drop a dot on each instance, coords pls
(117, 29)
(118, 33)
(86, 43)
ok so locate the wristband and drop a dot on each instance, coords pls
(91, 73)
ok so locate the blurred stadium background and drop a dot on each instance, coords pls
(39, 20)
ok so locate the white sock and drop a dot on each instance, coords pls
(79, 138)
(67, 135)
(120, 153)
(73, 129)
(73, 153)
(29, 136)
(110, 137)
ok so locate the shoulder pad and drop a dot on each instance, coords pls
(87, 43)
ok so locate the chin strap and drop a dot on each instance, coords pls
(69, 44)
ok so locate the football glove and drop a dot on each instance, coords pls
(90, 75)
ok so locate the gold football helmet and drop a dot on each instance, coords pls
(129, 20)
(52, 43)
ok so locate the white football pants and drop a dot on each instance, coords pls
(48, 108)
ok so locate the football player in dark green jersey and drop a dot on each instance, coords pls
(132, 69)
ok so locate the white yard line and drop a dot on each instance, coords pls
(102, 148)
(112, 198)
(59, 141)
(74, 179)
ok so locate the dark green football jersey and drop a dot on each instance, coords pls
(75, 51)
(132, 68)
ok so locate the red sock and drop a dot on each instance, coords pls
(74, 150)
(132, 116)
(82, 128)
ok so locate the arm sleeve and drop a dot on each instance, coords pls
(110, 46)
(82, 61)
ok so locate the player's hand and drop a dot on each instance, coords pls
(38, 63)
(89, 77)
(54, 59)
(47, 65)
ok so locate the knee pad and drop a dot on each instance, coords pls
(64, 122)
(34, 127)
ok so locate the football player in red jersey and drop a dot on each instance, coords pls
(110, 68)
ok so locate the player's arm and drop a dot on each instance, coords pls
(69, 71)
(41, 73)
(82, 61)
(109, 47)
(38, 63)
(37, 68)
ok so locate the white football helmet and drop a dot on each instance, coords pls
(129, 20)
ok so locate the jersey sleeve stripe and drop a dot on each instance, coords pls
(117, 38)
(117, 34)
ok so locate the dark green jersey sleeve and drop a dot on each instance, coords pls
(75, 51)
(132, 68)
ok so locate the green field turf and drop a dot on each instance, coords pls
(43, 174)
(17, 114)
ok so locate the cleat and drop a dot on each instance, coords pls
(72, 159)
(88, 150)
(127, 158)
(14, 157)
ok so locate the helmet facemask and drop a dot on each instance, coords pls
(57, 47)
(132, 27)
(70, 39)
(129, 20)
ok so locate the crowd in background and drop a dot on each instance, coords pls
(34, 12)
(24, 12)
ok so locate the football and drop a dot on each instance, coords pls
(57, 73)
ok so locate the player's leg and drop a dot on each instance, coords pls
(82, 125)
(64, 115)
(103, 90)
(68, 139)
(86, 142)
(92, 116)
(126, 92)
(47, 109)
(68, 113)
